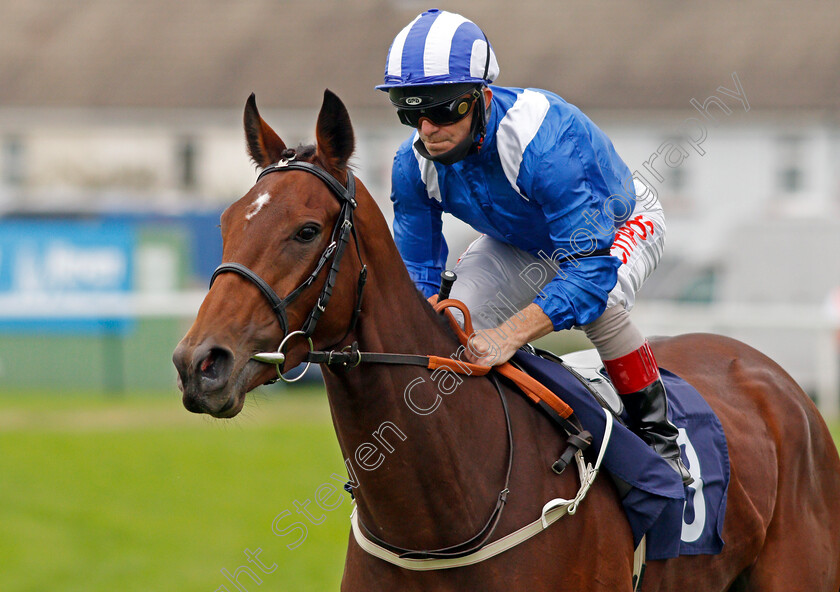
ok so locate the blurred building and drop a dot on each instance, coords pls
(728, 109)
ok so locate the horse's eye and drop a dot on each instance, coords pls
(307, 233)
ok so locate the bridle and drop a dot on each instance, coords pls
(341, 233)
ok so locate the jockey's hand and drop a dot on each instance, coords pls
(492, 347)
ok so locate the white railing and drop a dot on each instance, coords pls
(804, 340)
(45, 306)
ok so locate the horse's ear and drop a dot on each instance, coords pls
(264, 145)
(334, 133)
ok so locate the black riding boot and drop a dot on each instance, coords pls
(648, 411)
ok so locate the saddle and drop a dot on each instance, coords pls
(587, 367)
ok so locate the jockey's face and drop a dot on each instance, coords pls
(439, 139)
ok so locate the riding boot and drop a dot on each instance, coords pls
(636, 377)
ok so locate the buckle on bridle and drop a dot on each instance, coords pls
(352, 349)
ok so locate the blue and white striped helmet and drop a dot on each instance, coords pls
(440, 47)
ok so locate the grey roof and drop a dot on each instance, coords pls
(614, 54)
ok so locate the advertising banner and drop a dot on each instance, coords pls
(66, 276)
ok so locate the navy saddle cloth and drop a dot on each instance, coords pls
(677, 520)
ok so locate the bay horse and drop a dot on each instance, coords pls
(445, 470)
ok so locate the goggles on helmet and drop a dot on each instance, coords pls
(441, 115)
(442, 105)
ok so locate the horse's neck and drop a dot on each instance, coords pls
(414, 450)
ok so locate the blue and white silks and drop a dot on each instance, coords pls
(546, 180)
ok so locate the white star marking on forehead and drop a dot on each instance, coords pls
(257, 205)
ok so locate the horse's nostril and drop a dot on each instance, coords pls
(208, 363)
(216, 364)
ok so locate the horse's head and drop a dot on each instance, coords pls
(281, 232)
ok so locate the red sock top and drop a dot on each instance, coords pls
(634, 371)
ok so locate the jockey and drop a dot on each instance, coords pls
(568, 235)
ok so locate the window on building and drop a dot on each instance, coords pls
(676, 179)
(674, 189)
(13, 161)
(790, 176)
(187, 160)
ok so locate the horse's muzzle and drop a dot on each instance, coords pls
(203, 376)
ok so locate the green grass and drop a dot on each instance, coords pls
(135, 493)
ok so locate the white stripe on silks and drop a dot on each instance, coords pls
(516, 130)
(439, 43)
(395, 56)
(478, 60)
(428, 172)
